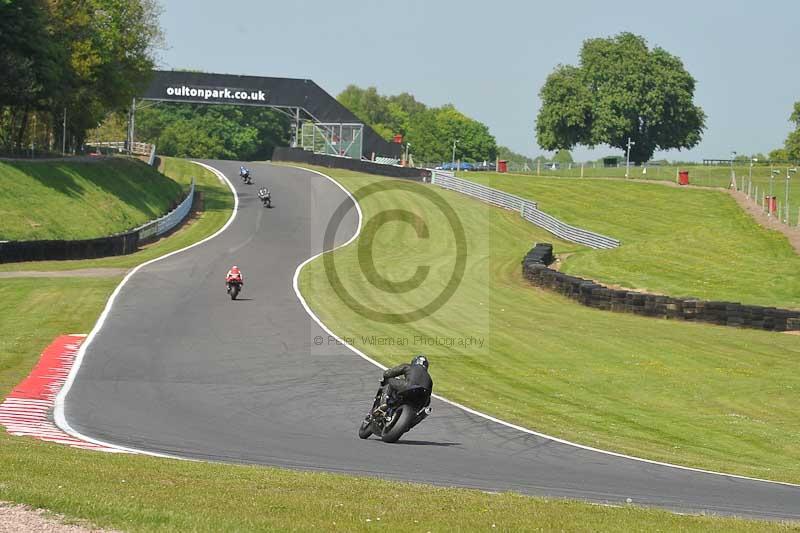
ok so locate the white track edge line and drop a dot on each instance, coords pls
(468, 409)
(59, 415)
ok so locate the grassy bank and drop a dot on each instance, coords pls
(704, 175)
(698, 395)
(80, 200)
(136, 493)
(675, 241)
(759, 181)
(217, 204)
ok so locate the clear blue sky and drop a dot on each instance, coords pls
(490, 59)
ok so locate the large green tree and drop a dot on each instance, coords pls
(387, 115)
(213, 131)
(431, 131)
(111, 46)
(31, 66)
(792, 144)
(88, 56)
(620, 89)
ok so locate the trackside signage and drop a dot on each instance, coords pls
(218, 93)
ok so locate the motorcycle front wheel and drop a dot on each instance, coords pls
(234, 292)
(365, 430)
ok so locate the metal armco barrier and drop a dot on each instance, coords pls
(120, 244)
(159, 226)
(528, 209)
(137, 148)
(447, 180)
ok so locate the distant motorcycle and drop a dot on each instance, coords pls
(402, 412)
(244, 173)
(234, 287)
(265, 196)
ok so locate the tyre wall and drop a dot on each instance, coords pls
(298, 155)
(591, 294)
(16, 251)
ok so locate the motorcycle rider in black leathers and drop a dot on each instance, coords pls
(265, 196)
(404, 377)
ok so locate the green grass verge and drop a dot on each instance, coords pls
(681, 242)
(217, 205)
(147, 494)
(80, 200)
(698, 395)
(35, 311)
(758, 181)
(136, 493)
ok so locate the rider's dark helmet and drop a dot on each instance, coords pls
(420, 360)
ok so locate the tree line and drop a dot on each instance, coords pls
(430, 131)
(213, 131)
(790, 151)
(80, 58)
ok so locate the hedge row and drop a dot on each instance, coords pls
(589, 293)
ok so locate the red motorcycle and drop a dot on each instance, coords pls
(234, 286)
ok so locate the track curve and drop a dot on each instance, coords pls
(179, 369)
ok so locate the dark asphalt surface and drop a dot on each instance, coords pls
(180, 369)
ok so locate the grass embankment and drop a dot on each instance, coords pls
(705, 175)
(80, 200)
(698, 395)
(217, 204)
(680, 242)
(147, 494)
(759, 181)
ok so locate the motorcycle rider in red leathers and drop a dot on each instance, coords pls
(234, 274)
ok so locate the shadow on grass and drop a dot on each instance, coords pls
(145, 190)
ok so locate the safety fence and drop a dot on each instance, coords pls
(144, 149)
(529, 210)
(447, 180)
(158, 227)
(118, 244)
(592, 294)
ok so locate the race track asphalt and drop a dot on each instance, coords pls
(180, 369)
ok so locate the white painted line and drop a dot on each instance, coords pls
(468, 409)
(59, 414)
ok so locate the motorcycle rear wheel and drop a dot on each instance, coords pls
(401, 423)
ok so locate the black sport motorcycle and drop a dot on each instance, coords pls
(266, 198)
(402, 412)
(245, 175)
